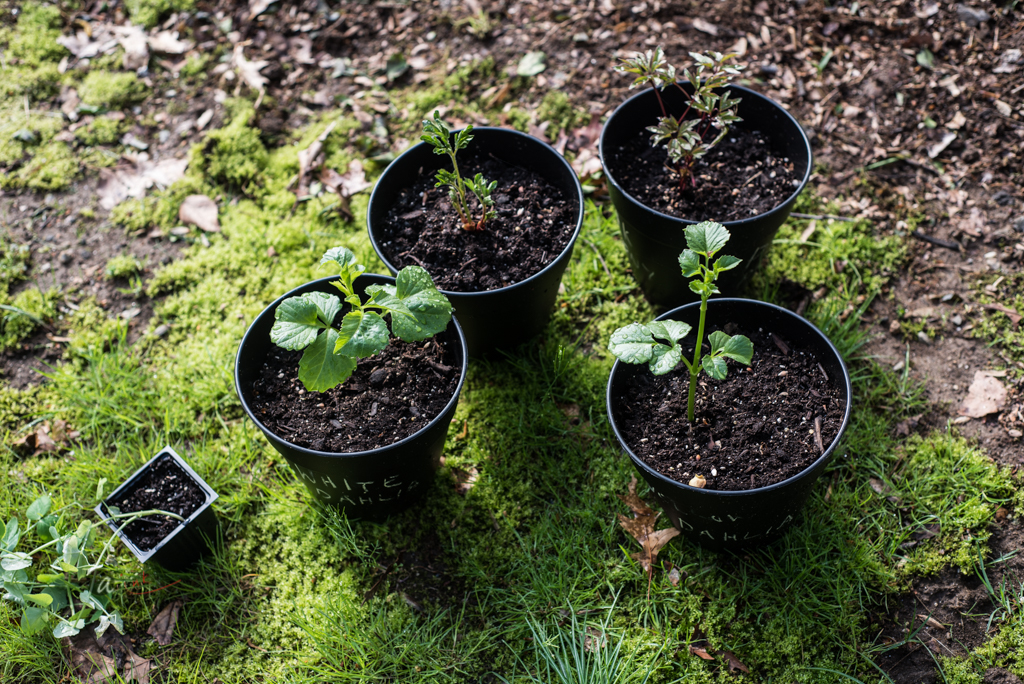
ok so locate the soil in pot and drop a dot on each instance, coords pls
(389, 396)
(534, 223)
(753, 429)
(164, 486)
(741, 177)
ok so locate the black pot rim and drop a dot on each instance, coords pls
(489, 129)
(747, 92)
(347, 454)
(847, 388)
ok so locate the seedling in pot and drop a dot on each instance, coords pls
(67, 593)
(688, 139)
(657, 343)
(437, 134)
(306, 322)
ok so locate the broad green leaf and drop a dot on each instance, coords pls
(669, 330)
(59, 596)
(715, 366)
(15, 590)
(689, 261)
(726, 263)
(362, 334)
(706, 237)
(739, 348)
(297, 320)
(11, 535)
(346, 261)
(320, 369)
(112, 620)
(43, 600)
(418, 310)
(531, 64)
(38, 508)
(87, 599)
(43, 527)
(13, 560)
(664, 359)
(68, 629)
(46, 578)
(33, 620)
(704, 290)
(632, 344)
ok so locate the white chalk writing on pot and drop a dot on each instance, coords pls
(340, 490)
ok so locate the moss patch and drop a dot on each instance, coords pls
(113, 90)
(26, 312)
(149, 12)
(101, 131)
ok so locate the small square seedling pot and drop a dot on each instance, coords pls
(188, 541)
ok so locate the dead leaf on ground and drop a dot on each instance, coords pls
(201, 211)
(119, 183)
(168, 43)
(705, 27)
(310, 159)
(641, 528)
(701, 652)
(44, 438)
(986, 395)
(88, 656)
(249, 71)
(1014, 317)
(733, 662)
(594, 640)
(136, 48)
(465, 479)
(162, 628)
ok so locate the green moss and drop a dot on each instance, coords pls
(559, 110)
(195, 65)
(101, 131)
(233, 155)
(14, 260)
(111, 90)
(518, 119)
(21, 134)
(149, 12)
(122, 266)
(52, 167)
(33, 42)
(993, 325)
(26, 312)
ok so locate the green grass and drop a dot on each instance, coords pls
(506, 579)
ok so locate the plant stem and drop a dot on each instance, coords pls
(461, 208)
(695, 368)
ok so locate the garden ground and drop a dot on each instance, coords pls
(122, 323)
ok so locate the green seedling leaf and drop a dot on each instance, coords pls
(45, 578)
(298, 320)
(33, 621)
(99, 488)
(68, 629)
(714, 366)
(736, 347)
(726, 263)
(43, 600)
(669, 330)
(362, 334)
(531, 64)
(689, 262)
(345, 258)
(38, 508)
(664, 358)
(707, 237)
(11, 535)
(632, 344)
(14, 560)
(15, 591)
(320, 369)
(418, 310)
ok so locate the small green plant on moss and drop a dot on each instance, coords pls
(418, 311)
(686, 139)
(437, 134)
(122, 266)
(657, 343)
(65, 589)
(30, 309)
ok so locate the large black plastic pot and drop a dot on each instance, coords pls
(508, 316)
(188, 541)
(366, 484)
(654, 240)
(734, 519)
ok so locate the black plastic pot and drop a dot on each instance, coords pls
(654, 240)
(508, 316)
(188, 541)
(734, 519)
(366, 484)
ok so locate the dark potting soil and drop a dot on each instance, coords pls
(389, 396)
(164, 486)
(533, 225)
(753, 429)
(739, 178)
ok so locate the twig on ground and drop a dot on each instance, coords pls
(948, 244)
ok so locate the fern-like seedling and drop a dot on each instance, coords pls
(437, 134)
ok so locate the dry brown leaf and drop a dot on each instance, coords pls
(635, 503)
(118, 184)
(162, 627)
(1014, 317)
(136, 49)
(705, 27)
(249, 71)
(701, 652)
(733, 662)
(201, 211)
(168, 43)
(985, 395)
(594, 640)
(641, 528)
(653, 544)
(465, 479)
(89, 658)
(310, 159)
(36, 442)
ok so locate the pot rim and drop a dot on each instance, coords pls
(747, 92)
(490, 130)
(846, 386)
(343, 454)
